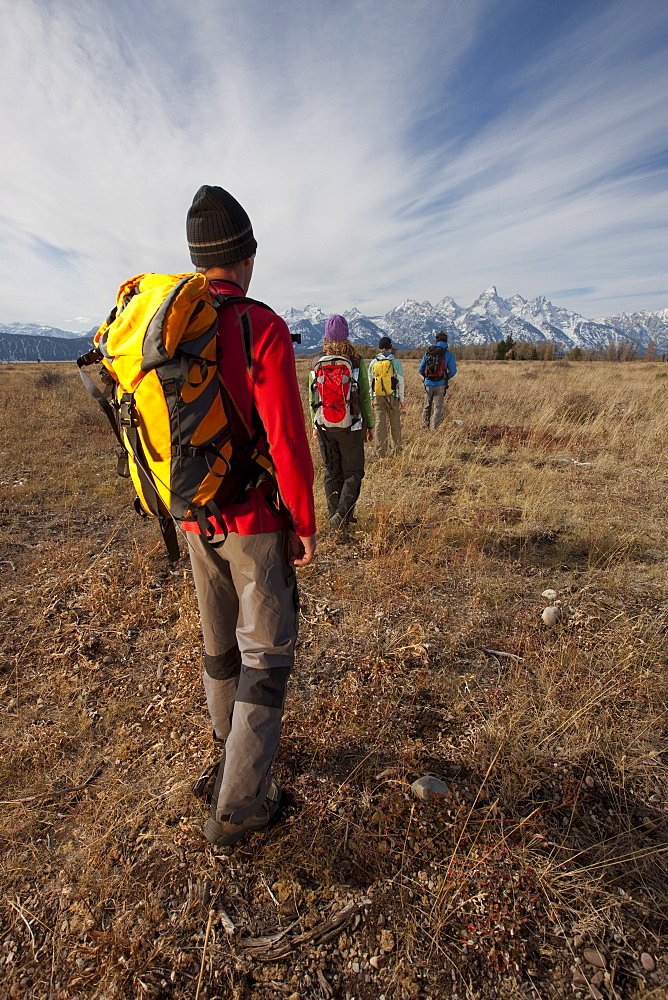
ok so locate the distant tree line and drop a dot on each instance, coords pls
(521, 350)
(525, 350)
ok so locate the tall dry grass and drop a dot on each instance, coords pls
(422, 650)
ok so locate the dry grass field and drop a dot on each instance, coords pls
(543, 871)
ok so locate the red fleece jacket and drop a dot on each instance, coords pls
(270, 384)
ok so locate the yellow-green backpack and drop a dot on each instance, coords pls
(384, 380)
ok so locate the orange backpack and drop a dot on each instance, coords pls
(180, 435)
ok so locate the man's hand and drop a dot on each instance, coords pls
(402, 406)
(369, 433)
(315, 432)
(302, 549)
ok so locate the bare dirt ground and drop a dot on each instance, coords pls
(541, 873)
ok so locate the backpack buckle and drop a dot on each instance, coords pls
(91, 358)
(122, 462)
(127, 412)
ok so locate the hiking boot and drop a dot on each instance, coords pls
(224, 834)
(339, 524)
(203, 787)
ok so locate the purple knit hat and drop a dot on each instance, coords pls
(336, 328)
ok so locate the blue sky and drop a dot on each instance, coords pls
(383, 150)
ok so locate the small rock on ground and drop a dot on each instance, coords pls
(428, 787)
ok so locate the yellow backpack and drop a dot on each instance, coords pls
(384, 381)
(187, 448)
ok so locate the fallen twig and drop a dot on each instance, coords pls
(56, 795)
(326, 988)
(209, 923)
(273, 947)
(22, 914)
(498, 652)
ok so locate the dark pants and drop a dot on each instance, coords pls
(343, 455)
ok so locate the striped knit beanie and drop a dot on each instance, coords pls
(219, 231)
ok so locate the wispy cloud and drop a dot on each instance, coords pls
(340, 127)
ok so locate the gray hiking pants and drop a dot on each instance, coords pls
(343, 456)
(432, 411)
(247, 597)
(387, 413)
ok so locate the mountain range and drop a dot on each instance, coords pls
(410, 324)
(490, 318)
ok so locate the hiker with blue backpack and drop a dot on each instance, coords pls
(436, 368)
(342, 420)
(386, 380)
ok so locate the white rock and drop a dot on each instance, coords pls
(427, 787)
(551, 616)
(549, 595)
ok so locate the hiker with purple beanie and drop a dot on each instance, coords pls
(342, 420)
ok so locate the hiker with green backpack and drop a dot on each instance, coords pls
(200, 386)
(342, 420)
(386, 379)
(437, 368)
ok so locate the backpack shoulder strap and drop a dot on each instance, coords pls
(219, 300)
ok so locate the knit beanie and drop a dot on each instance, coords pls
(336, 328)
(219, 231)
(385, 344)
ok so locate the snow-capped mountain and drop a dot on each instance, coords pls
(410, 324)
(490, 318)
(23, 347)
(414, 323)
(36, 330)
(363, 329)
(638, 325)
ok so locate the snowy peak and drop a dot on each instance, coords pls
(37, 330)
(490, 306)
(544, 314)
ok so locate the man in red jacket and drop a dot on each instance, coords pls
(246, 587)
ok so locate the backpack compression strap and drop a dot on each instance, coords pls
(104, 397)
(129, 422)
